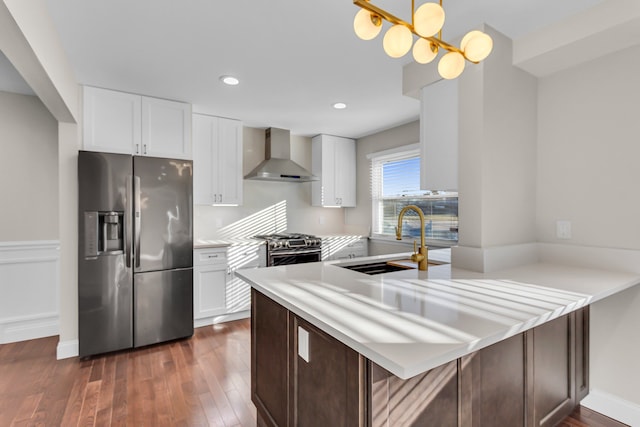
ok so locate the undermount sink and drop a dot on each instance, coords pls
(377, 267)
(384, 265)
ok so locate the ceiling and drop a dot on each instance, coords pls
(294, 59)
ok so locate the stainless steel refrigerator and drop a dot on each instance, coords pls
(135, 264)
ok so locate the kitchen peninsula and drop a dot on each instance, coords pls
(332, 346)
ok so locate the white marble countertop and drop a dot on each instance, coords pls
(411, 321)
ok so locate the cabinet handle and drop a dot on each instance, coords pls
(145, 148)
(213, 256)
(137, 148)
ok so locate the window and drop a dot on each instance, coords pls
(395, 183)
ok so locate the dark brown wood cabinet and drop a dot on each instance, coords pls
(269, 360)
(326, 390)
(535, 378)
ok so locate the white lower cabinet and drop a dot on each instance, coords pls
(218, 295)
(209, 284)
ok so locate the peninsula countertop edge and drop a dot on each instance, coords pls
(411, 321)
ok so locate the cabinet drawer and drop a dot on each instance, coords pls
(247, 256)
(210, 256)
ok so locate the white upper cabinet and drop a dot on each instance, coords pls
(334, 162)
(166, 128)
(112, 121)
(217, 160)
(118, 122)
(439, 136)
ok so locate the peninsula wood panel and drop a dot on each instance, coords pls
(582, 353)
(551, 394)
(269, 360)
(427, 399)
(492, 384)
(525, 380)
(326, 390)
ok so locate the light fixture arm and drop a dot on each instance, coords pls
(366, 4)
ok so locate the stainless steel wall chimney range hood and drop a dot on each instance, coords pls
(278, 165)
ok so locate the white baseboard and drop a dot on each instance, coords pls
(209, 321)
(67, 349)
(613, 407)
(29, 290)
(232, 316)
(28, 327)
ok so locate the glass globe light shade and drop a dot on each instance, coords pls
(428, 19)
(366, 25)
(476, 45)
(397, 41)
(424, 52)
(451, 65)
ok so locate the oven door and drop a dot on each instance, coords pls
(294, 257)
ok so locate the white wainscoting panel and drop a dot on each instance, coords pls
(29, 290)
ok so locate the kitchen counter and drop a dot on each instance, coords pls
(410, 321)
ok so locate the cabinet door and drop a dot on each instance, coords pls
(229, 162)
(334, 161)
(345, 172)
(204, 127)
(166, 128)
(239, 291)
(325, 379)
(209, 291)
(111, 121)
(552, 390)
(269, 360)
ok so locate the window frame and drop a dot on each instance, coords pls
(376, 160)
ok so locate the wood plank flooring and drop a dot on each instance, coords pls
(202, 381)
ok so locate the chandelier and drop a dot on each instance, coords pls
(426, 23)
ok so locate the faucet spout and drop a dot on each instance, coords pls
(421, 256)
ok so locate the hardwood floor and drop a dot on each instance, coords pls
(202, 381)
(205, 380)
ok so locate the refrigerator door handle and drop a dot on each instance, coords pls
(136, 214)
(127, 221)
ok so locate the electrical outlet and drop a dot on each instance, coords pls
(563, 229)
(303, 344)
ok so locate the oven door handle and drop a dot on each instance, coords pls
(288, 253)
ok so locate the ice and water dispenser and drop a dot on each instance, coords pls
(103, 233)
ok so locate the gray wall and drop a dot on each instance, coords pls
(29, 172)
(588, 151)
(358, 219)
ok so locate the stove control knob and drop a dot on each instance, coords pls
(273, 245)
(285, 244)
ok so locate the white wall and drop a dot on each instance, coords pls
(29, 172)
(261, 198)
(497, 151)
(588, 151)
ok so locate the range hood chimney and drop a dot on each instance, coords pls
(278, 165)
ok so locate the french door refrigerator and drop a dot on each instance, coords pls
(135, 264)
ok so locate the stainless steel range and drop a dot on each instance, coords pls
(292, 248)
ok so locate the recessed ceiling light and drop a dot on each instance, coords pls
(339, 105)
(229, 80)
